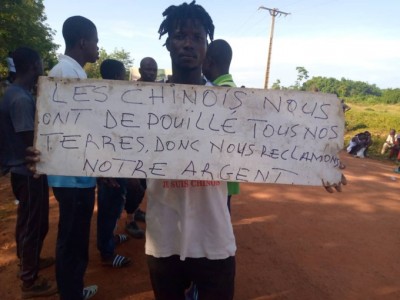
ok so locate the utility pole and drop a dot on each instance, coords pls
(273, 12)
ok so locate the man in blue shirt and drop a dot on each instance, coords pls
(17, 115)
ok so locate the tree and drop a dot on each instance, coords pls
(22, 23)
(276, 85)
(343, 87)
(302, 74)
(93, 70)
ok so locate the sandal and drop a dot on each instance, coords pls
(117, 261)
(41, 287)
(120, 238)
(89, 291)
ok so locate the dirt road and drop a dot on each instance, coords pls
(293, 242)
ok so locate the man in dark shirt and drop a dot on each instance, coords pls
(17, 115)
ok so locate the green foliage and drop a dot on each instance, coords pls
(358, 91)
(391, 96)
(93, 70)
(22, 23)
(354, 91)
(343, 87)
(276, 85)
(302, 74)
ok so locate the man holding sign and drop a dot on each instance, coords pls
(189, 235)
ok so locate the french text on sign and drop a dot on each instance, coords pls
(107, 128)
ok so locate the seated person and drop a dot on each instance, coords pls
(359, 144)
(390, 140)
(395, 150)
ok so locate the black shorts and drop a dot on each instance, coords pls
(170, 277)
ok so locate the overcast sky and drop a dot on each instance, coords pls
(354, 39)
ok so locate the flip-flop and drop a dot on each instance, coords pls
(120, 238)
(89, 291)
(117, 261)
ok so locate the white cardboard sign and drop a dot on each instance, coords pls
(107, 128)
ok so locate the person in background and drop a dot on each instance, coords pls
(111, 193)
(135, 193)
(216, 69)
(345, 107)
(359, 144)
(17, 116)
(390, 141)
(395, 150)
(137, 187)
(75, 195)
(148, 70)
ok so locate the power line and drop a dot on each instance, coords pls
(240, 28)
(274, 12)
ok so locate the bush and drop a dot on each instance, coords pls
(391, 96)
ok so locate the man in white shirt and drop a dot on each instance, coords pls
(75, 195)
(189, 235)
(390, 141)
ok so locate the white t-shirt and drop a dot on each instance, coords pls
(67, 67)
(391, 139)
(188, 218)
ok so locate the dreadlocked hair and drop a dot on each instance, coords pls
(176, 15)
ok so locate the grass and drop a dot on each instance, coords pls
(377, 119)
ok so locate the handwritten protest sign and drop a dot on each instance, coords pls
(167, 131)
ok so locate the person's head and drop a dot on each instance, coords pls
(392, 132)
(27, 63)
(80, 35)
(187, 26)
(112, 69)
(218, 59)
(148, 69)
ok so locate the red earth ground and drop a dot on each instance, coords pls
(293, 242)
